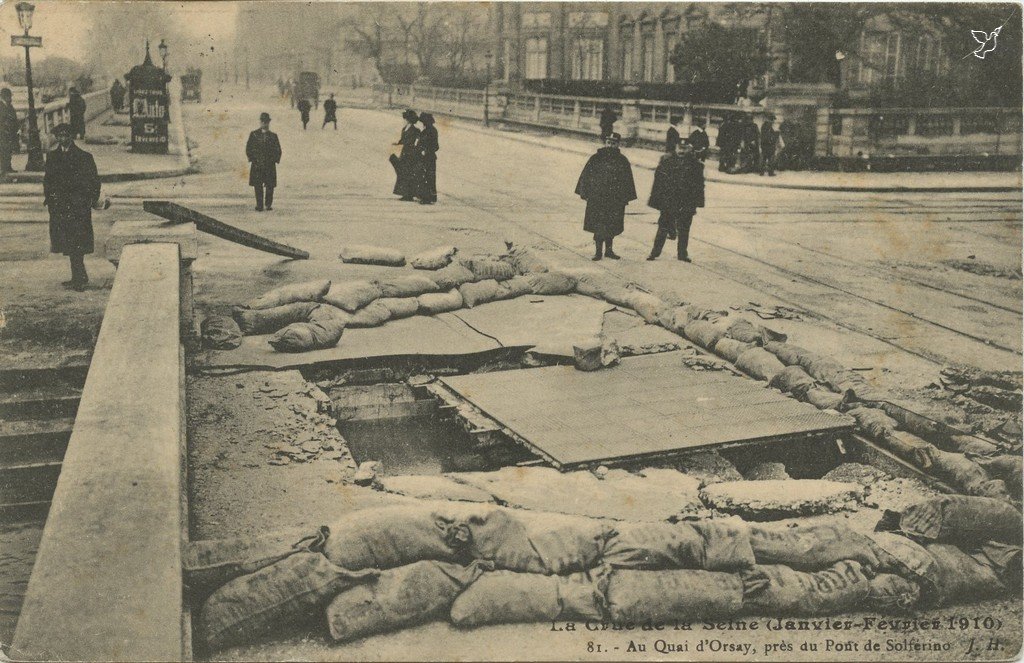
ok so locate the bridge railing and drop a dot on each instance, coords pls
(58, 111)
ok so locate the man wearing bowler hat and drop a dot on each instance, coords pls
(71, 186)
(263, 150)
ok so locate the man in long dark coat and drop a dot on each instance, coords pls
(606, 183)
(428, 146)
(728, 142)
(330, 112)
(769, 146)
(672, 135)
(71, 186)
(9, 126)
(76, 105)
(699, 140)
(750, 153)
(407, 162)
(304, 108)
(677, 192)
(607, 121)
(263, 150)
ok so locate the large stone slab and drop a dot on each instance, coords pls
(774, 499)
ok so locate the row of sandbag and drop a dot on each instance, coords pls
(974, 465)
(388, 568)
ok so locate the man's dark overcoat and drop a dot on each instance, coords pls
(678, 188)
(70, 187)
(407, 165)
(606, 183)
(76, 105)
(263, 150)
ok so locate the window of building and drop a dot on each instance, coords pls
(536, 21)
(506, 59)
(626, 42)
(536, 58)
(880, 58)
(671, 41)
(647, 56)
(587, 59)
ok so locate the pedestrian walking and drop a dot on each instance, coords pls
(71, 186)
(677, 192)
(428, 147)
(672, 135)
(116, 95)
(330, 112)
(9, 127)
(606, 183)
(289, 89)
(770, 138)
(607, 121)
(76, 106)
(750, 138)
(263, 150)
(304, 108)
(407, 162)
(699, 140)
(727, 142)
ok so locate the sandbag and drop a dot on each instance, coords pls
(535, 543)
(748, 332)
(1005, 560)
(889, 593)
(823, 399)
(517, 286)
(787, 353)
(759, 363)
(1009, 468)
(665, 597)
(253, 322)
(874, 422)
(403, 307)
(306, 336)
(594, 285)
(619, 296)
(452, 276)
(412, 285)
(647, 306)
(587, 354)
(710, 546)
(673, 319)
(211, 563)
(843, 587)
(703, 333)
(220, 332)
(309, 291)
(730, 348)
(959, 578)
(352, 295)
(364, 254)
(526, 261)
(856, 385)
(965, 474)
(507, 597)
(488, 267)
(810, 548)
(957, 519)
(286, 593)
(434, 258)
(401, 597)
(480, 292)
(821, 368)
(792, 380)
(900, 556)
(393, 536)
(439, 302)
(551, 283)
(373, 314)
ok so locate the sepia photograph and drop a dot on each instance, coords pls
(511, 331)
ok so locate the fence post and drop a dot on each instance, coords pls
(536, 108)
(630, 119)
(576, 113)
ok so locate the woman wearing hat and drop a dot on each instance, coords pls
(407, 162)
(606, 183)
(263, 150)
(427, 142)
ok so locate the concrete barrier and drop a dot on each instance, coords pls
(107, 580)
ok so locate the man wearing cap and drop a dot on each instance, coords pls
(8, 131)
(263, 150)
(699, 140)
(407, 162)
(677, 192)
(606, 183)
(71, 186)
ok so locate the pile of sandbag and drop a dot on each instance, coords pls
(385, 569)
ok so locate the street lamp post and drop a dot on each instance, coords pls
(163, 53)
(35, 147)
(487, 90)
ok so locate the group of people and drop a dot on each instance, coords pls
(607, 186)
(416, 161)
(744, 148)
(330, 112)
